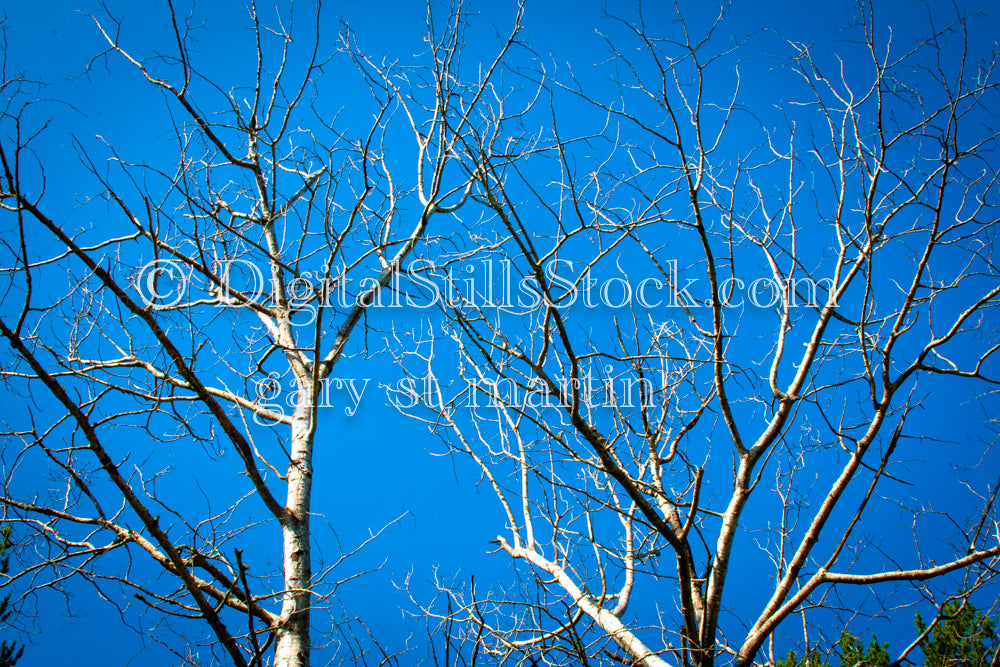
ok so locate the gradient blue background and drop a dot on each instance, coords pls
(386, 470)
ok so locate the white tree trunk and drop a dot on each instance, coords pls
(292, 647)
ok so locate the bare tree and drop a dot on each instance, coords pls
(700, 344)
(195, 297)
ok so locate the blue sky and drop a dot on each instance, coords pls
(386, 470)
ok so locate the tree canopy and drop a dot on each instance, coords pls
(471, 334)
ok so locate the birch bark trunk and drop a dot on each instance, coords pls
(293, 646)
